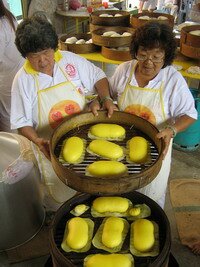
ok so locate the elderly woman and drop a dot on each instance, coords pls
(148, 86)
(51, 85)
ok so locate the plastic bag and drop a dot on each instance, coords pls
(16, 171)
(16, 168)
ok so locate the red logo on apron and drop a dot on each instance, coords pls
(71, 70)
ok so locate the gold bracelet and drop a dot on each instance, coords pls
(171, 127)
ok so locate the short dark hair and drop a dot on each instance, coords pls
(35, 34)
(155, 35)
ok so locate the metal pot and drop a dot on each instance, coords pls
(21, 211)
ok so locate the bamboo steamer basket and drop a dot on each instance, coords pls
(136, 22)
(75, 177)
(94, 27)
(61, 258)
(115, 54)
(123, 20)
(189, 43)
(77, 48)
(100, 40)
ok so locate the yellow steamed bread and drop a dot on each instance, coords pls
(112, 232)
(77, 236)
(106, 130)
(104, 168)
(106, 149)
(110, 204)
(110, 260)
(138, 149)
(73, 149)
(143, 235)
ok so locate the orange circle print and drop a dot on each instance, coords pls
(141, 111)
(60, 110)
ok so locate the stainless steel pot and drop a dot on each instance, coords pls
(21, 211)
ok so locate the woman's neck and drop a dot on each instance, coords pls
(141, 79)
(48, 70)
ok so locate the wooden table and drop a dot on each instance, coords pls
(185, 63)
(78, 16)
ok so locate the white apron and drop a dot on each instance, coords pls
(148, 104)
(55, 103)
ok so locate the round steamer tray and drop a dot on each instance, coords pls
(78, 48)
(73, 259)
(138, 175)
(136, 22)
(189, 43)
(109, 53)
(123, 20)
(100, 40)
(94, 27)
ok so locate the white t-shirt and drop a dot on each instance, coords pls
(24, 108)
(10, 58)
(177, 97)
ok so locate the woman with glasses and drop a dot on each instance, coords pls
(150, 87)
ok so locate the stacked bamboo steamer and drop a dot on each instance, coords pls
(140, 19)
(190, 41)
(79, 43)
(109, 18)
(112, 31)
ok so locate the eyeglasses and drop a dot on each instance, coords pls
(153, 59)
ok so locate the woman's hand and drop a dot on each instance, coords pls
(43, 145)
(102, 89)
(166, 134)
(109, 106)
(170, 131)
(94, 106)
(30, 133)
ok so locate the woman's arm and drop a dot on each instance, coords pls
(170, 131)
(104, 99)
(94, 80)
(30, 133)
